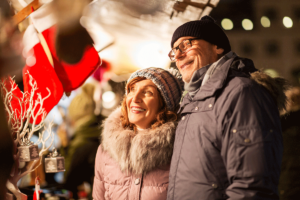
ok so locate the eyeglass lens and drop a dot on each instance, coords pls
(183, 46)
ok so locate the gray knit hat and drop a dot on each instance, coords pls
(169, 83)
(207, 29)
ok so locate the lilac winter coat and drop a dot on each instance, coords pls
(133, 166)
(228, 142)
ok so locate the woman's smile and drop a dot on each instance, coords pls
(136, 109)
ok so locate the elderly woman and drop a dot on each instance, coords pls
(134, 157)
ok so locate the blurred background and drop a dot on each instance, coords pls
(134, 34)
(265, 31)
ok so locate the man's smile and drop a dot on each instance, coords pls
(184, 65)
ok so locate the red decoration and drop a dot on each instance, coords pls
(59, 78)
(45, 76)
(37, 192)
(98, 74)
(72, 75)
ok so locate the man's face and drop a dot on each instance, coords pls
(199, 55)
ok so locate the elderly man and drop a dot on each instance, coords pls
(228, 142)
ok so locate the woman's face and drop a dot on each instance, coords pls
(143, 103)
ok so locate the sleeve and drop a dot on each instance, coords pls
(252, 144)
(98, 187)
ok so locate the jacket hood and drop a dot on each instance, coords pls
(87, 128)
(138, 153)
(276, 86)
(230, 66)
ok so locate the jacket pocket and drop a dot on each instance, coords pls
(251, 136)
(251, 152)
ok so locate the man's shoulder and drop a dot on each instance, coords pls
(259, 88)
(237, 84)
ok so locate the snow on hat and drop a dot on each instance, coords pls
(206, 29)
(169, 83)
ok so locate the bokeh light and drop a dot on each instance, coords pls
(108, 96)
(265, 21)
(287, 22)
(30, 61)
(272, 72)
(109, 99)
(227, 24)
(247, 24)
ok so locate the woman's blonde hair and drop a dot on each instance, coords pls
(163, 116)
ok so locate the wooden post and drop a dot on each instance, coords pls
(25, 12)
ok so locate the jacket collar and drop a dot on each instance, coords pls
(213, 80)
(215, 77)
(194, 85)
(138, 153)
(234, 66)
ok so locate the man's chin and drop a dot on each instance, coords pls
(187, 74)
(186, 79)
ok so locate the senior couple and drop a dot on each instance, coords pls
(221, 140)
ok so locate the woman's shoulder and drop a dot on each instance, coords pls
(103, 157)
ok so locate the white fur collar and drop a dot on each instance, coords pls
(138, 153)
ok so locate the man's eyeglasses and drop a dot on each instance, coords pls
(183, 47)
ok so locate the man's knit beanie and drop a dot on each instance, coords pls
(206, 29)
(169, 83)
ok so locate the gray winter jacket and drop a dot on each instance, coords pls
(228, 143)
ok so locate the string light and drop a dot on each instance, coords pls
(265, 21)
(109, 99)
(287, 22)
(227, 24)
(247, 24)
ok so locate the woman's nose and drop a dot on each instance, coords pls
(137, 97)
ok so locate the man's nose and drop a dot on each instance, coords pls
(178, 54)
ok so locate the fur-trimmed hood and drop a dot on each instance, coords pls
(138, 153)
(277, 87)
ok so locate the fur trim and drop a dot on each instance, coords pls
(277, 87)
(138, 153)
(294, 99)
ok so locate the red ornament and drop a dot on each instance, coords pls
(39, 67)
(37, 192)
(72, 76)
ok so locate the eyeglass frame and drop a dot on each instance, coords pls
(176, 48)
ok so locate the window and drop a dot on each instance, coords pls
(247, 49)
(271, 14)
(296, 14)
(296, 73)
(272, 48)
(297, 47)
